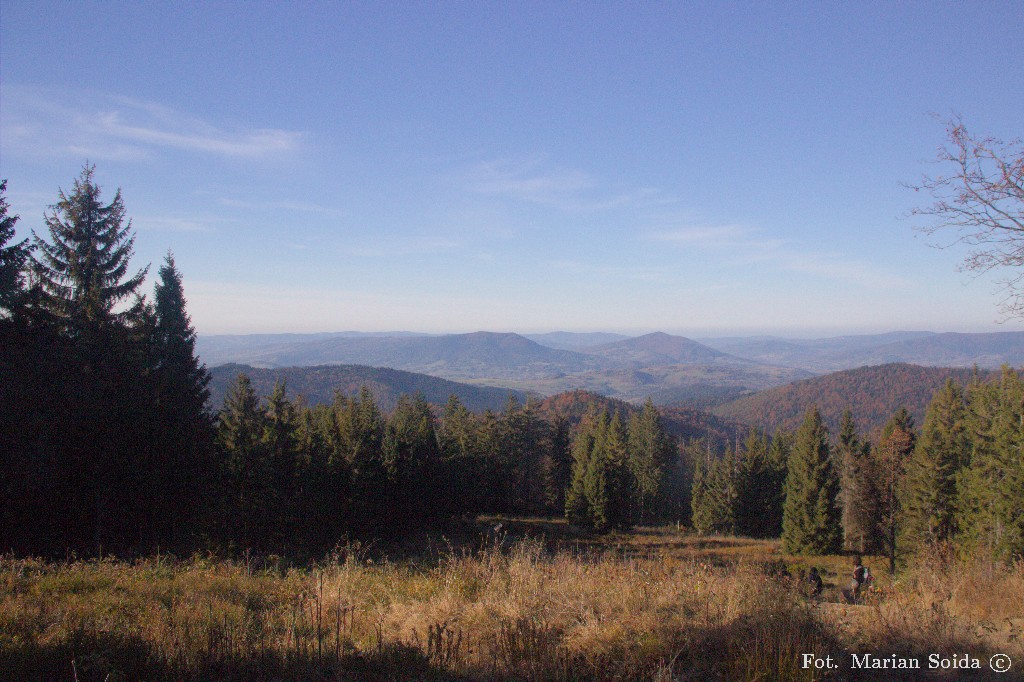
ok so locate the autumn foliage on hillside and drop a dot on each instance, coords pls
(872, 394)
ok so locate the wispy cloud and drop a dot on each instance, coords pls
(536, 180)
(45, 122)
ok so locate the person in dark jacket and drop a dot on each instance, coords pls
(814, 582)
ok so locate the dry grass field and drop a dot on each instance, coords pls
(654, 604)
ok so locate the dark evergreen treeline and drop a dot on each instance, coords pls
(107, 444)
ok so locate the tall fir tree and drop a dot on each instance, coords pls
(249, 482)
(556, 465)
(322, 482)
(411, 459)
(859, 494)
(990, 517)
(890, 460)
(651, 453)
(929, 490)
(182, 434)
(82, 274)
(522, 454)
(811, 516)
(358, 438)
(760, 490)
(715, 494)
(13, 257)
(82, 287)
(619, 510)
(599, 495)
(577, 505)
(281, 444)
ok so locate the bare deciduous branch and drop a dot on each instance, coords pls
(982, 202)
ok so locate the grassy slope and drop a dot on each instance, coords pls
(649, 605)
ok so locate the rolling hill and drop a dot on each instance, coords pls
(318, 384)
(683, 423)
(479, 355)
(871, 393)
(660, 349)
(694, 385)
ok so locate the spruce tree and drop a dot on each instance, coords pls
(556, 466)
(12, 259)
(929, 490)
(619, 478)
(991, 488)
(182, 436)
(411, 459)
(280, 442)
(700, 510)
(577, 507)
(81, 287)
(522, 454)
(890, 460)
(651, 451)
(715, 495)
(82, 275)
(184, 380)
(859, 495)
(811, 516)
(596, 483)
(247, 467)
(760, 489)
(599, 494)
(358, 439)
(322, 485)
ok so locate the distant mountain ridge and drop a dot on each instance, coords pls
(950, 349)
(478, 355)
(317, 385)
(660, 349)
(670, 369)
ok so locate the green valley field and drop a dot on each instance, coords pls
(532, 600)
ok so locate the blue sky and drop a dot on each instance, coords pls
(698, 168)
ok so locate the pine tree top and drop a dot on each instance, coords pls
(83, 272)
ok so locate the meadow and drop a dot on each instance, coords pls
(532, 600)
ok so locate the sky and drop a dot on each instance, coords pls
(702, 168)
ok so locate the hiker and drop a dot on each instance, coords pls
(860, 575)
(814, 579)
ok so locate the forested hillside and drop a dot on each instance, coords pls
(872, 394)
(683, 423)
